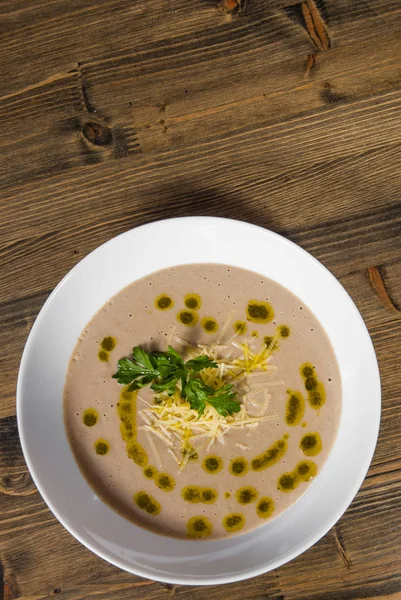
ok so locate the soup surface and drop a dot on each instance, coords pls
(224, 471)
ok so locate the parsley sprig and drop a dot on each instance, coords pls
(163, 371)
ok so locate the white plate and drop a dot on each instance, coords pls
(78, 297)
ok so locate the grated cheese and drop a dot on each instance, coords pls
(182, 430)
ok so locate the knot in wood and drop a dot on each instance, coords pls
(97, 134)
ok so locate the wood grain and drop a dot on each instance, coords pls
(376, 278)
(286, 115)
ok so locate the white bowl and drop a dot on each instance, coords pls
(78, 297)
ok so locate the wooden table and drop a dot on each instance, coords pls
(119, 112)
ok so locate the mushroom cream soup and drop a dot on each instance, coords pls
(224, 405)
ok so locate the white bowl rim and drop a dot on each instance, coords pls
(348, 494)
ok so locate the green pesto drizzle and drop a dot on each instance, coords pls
(240, 327)
(259, 311)
(270, 456)
(193, 301)
(147, 503)
(90, 417)
(102, 447)
(295, 408)
(165, 482)
(126, 409)
(315, 388)
(150, 472)
(265, 507)
(311, 444)
(233, 522)
(304, 471)
(239, 466)
(164, 302)
(108, 343)
(196, 494)
(103, 356)
(209, 324)
(246, 495)
(212, 464)
(187, 317)
(284, 331)
(199, 527)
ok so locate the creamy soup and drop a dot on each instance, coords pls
(214, 463)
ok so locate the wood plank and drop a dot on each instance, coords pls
(51, 32)
(300, 167)
(172, 89)
(17, 317)
(286, 115)
(42, 537)
(380, 497)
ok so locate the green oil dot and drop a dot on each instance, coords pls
(227, 495)
(90, 417)
(209, 324)
(199, 527)
(311, 444)
(103, 356)
(233, 522)
(259, 312)
(193, 301)
(137, 453)
(212, 464)
(240, 327)
(191, 493)
(165, 482)
(102, 447)
(126, 410)
(164, 302)
(246, 495)
(306, 470)
(239, 466)
(314, 387)
(150, 472)
(316, 399)
(147, 503)
(295, 408)
(108, 343)
(310, 383)
(255, 333)
(265, 507)
(284, 331)
(189, 451)
(196, 494)
(208, 496)
(268, 340)
(270, 457)
(288, 482)
(307, 371)
(188, 317)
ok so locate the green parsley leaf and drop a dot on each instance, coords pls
(138, 384)
(165, 370)
(143, 358)
(174, 356)
(223, 401)
(197, 394)
(129, 371)
(199, 363)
